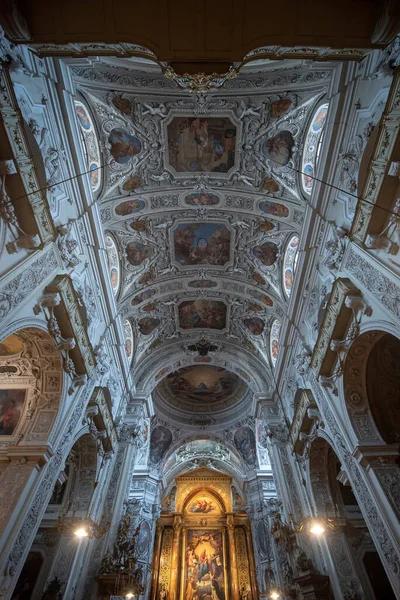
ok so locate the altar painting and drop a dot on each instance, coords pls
(203, 504)
(204, 576)
(199, 144)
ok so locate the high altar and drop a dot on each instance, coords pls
(203, 549)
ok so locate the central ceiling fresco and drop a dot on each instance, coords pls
(201, 196)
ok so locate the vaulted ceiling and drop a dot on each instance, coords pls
(201, 195)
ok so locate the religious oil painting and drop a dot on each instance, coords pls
(267, 253)
(202, 244)
(198, 144)
(202, 314)
(202, 199)
(204, 576)
(201, 384)
(203, 504)
(279, 148)
(274, 209)
(136, 253)
(160, 441)
(11, 406)
(245, 442)
(123, 146)
(147, 325)
(129, 207)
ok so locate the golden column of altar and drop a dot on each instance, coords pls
(230, 526)
(205, 550)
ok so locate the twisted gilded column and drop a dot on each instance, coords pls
(230, 527)
(156, 561)
(174, 591)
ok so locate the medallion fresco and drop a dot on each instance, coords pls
(270, 185)
(274, 341)
(160, 441)
(201, 384)
(202, 314)
(279, 148)
(133, 183)
(254, 325)
(245, 442)
(274, 209)
(122, 104)
(279, 107)
(202, 199)
(147, 325)
(128, 339)
(136, 253)
(113, 263)
(202, 244)
(289, 263)
(11, 406)
(123, 146)
(201, 144)
(145, 295)
(129, 207)
(204, 577)
(312, 147)
(267, 253)
(261, 297)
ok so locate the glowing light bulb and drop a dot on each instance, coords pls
(316, 528)
(274, 596)
(130, 595)
(81, 533)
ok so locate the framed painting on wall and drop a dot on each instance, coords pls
(204, 572)
(11, 408)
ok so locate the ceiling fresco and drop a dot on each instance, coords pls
(200, 386)
(201, 195)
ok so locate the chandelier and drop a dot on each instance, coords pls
(285, 533)
(81, 527)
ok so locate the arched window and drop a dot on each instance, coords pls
(128, 331)
(274, 341)
(290, 263)
(113, 263)
(312, 147)
(90, 144)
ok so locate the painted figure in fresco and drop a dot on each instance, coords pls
(194, 314)
(82, 116)
(202, 199)
(202, 243)
(273, 208)
(267, 253)
(129, 207)
(246, 444)
(123, 146)
(201, 384)
(279, 148)
(160, 441)
(147, 325)
(279, 107)
(136, 253)
(201, 505)
(122, 104)
(254, 325)
(199, 144)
